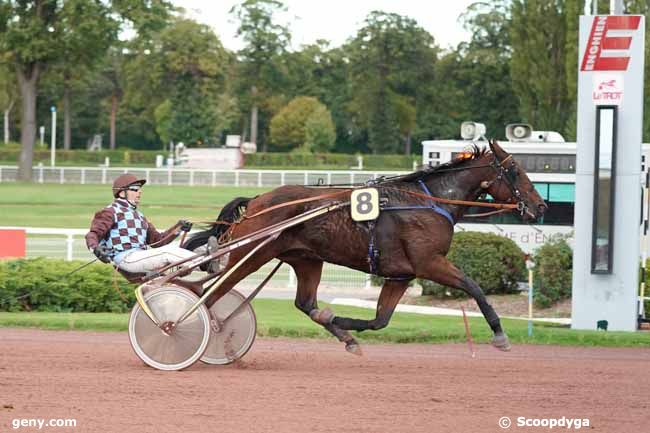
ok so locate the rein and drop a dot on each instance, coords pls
(503, 206)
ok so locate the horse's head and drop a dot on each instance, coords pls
(511, 184)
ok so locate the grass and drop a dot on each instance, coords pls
(279, 318)
(73, 206)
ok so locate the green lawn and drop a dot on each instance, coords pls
(73, 206)
(280, 318)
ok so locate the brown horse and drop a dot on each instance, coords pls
(409, 239)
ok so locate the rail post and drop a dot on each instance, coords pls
(530, 264)
(69, 243)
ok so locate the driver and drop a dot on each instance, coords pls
(120, 233)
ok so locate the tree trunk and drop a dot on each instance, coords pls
(6, 129)
(28, 83)
(254, 110)
(66, 112)
(113, 119)
(407, 144)
(254, 125)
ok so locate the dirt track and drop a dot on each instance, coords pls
(315, 386)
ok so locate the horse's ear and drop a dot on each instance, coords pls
(497, 150)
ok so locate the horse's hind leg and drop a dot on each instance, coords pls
(442, 271)
(309, 275)
(391, 293)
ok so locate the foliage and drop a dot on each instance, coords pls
(37, 35)
(386, 90)
(45, 285)
(391, 57)
(541, 54)
(118, 156)
(327, 160)
(320, 134)
(553, 272)
(304, 122)
(259, 72)
(495, 263)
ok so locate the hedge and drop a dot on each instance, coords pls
(44, 285)
(118, 156)
(494, 262)
(553, 273)
(329, 160)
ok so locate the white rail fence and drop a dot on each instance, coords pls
(194, 177)
(69, 244)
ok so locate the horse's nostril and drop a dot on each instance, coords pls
(542, 208)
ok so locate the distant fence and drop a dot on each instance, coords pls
(69, 244)
(194, 177)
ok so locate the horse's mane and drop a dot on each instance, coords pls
(471, 154)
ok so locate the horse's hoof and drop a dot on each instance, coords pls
(501, 342)
(324, 317)
(354, 348)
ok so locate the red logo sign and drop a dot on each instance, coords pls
(596, 57)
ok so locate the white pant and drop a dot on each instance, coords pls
(152, 259)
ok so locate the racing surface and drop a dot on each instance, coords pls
(315, 386)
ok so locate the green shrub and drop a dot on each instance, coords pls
(43, 285)
(553, 272)
(320, 161)
(81, 157)
(494, 262)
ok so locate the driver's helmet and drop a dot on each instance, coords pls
(123, 182)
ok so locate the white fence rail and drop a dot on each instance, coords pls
(194, 177)
(69, 244)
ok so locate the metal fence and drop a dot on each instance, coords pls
(69, 244)
(194, 177)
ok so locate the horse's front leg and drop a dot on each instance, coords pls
(442, 271)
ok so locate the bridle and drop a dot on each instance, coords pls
(508, 175)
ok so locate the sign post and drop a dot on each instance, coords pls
(608, 172)
(53, 149)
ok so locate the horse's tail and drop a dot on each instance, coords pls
(230, 213)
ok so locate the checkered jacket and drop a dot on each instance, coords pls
(122, 227)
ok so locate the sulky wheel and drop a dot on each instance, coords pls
(184, 344)
(230, 340)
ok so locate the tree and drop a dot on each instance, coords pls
(322, 72)
(8, 98)
(481, 69)
(320, 133)
(289, 125)
(33, 38)
(642, 7)
(87, 31)
(390, 58)
(193, 65)
(266, 41)
(539, 50)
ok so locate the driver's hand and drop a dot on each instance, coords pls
(185, 225)
(103, 253)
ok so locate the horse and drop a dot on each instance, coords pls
(410, 238)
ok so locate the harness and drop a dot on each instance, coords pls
(373, 252)
(508, 174)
